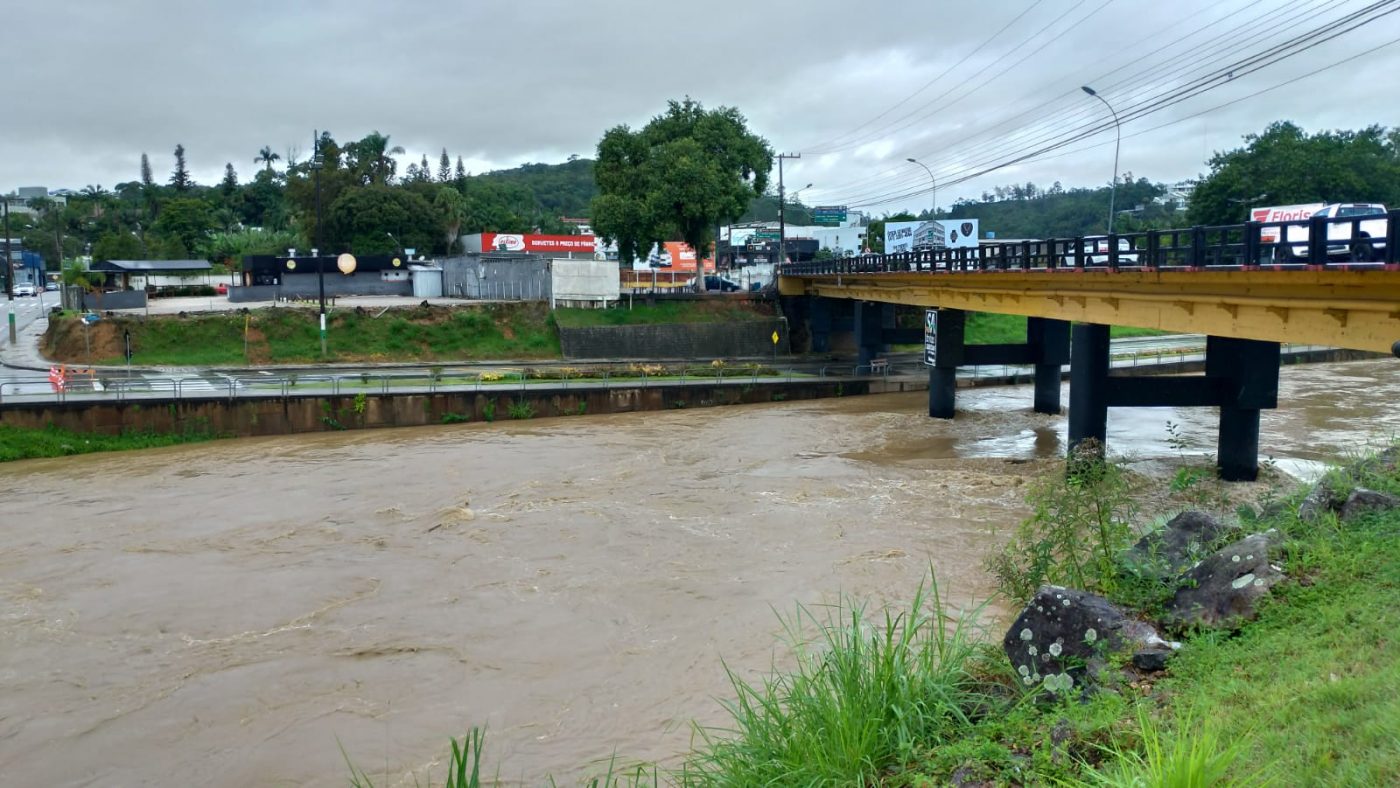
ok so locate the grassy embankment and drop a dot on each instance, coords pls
(291, 336)
(1304, 695)
(22, 443)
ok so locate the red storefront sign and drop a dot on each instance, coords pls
(522, 242)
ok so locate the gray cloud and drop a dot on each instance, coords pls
(501, 83)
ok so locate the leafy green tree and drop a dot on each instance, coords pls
(147, 179)
(372, 158)
(47, 235)
(451, 208)
(361, 219)
(266, 156)
(186, 219)
(180, 176)
(1284, 165)
(683, 174)
(229, 185)
(118, 246)
(460, 174)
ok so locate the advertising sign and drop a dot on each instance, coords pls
(829, 215)
(942, 234)
(931, 337)
(673, 256)
(520, 242)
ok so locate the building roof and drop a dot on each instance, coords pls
(130, 266)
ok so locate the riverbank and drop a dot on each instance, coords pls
(920, 695)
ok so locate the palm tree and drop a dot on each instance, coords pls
(373, 153)
(266, 155)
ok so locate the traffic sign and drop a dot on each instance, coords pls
(833, 215)
(931, 337)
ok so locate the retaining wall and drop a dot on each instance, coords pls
(247, 416)
(748, 338)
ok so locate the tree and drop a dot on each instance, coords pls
(180, 177)
(51, 226)
(461, 173)
(266, 156)
(361, 219)
(372, 158)
(185, 219)
(444, 167)
(451, 208)
(425, 172)
(683, 174)
(118, 246)
(1284, 165)
(229, 185)
(146, 179)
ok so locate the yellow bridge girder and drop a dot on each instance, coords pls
(1356, 309)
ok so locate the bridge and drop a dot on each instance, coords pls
(1248, 287)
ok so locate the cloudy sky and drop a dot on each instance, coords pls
(983, 93)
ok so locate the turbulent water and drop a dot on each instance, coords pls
(235, 613)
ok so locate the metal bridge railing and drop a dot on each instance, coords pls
(1344, 242)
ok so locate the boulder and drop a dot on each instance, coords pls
(1220, 592)
(1170, 550)
(1062, 637)
(1319, 501)
(1362, 501)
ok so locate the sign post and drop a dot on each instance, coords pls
(931, 337)
(126, 338)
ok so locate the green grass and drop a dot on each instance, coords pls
(664, 312)
(990, 328)
(291, 335)
(23, 443)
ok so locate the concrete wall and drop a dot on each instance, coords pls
(303, 287)
(676, 340)
(522, 277)
(246, 416)
(122, 299)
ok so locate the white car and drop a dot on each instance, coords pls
(1096, 252)
(24, 290)
(1369, 243)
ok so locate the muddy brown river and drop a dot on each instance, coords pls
(235, 613)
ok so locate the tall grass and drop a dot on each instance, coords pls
(1190, 755)
(864, 697)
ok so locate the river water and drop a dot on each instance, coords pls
(235, 613)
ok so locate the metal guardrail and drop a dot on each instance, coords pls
(504, 380)
(1247, 246)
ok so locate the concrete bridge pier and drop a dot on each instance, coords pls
(873, 321)
(1241, 379)
(1046, 348)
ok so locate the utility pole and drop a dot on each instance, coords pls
(9, 273)
(782, 209)
(320, 261)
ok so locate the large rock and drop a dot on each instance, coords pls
(1362, 501)
(1061, 639)
(1170, 550)
(1320, 500)
(1221, 591)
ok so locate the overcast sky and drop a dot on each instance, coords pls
(855, 87)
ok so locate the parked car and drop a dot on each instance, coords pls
(221, 288)
(51, 286)
(24, 290)
(1369, 243)
(717, 282)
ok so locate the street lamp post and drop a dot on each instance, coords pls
(9, 272)
(320, 262)
(1117, 142)
(932, 182)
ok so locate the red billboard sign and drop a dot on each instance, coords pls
(523, 242)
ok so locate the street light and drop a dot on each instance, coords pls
(1118, 141)
(320, 262)
(933, 181)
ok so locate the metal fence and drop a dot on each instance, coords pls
(1355, 241)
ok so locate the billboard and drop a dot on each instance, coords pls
(528, 242)
(942, 234)
(671, 256)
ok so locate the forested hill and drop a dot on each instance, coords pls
(1029, 211)
(559, 189)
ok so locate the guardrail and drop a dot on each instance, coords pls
(502, 380)
(1299, 245)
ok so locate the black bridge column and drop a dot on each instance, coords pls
(870, 331)
(1088, 384)
(1049, 341)
(819, 320)
(948, 356)
(1247, 375)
